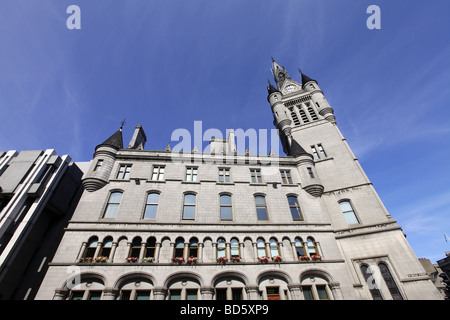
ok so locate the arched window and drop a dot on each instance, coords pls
(189, 206)
(312, 247)
(274, 249)
(225, 207)
(261, 208)
(135, 248)
(299, 248)
(261, 248)
(193, 248)
(91, 247)
(151, 206)
(348, 212)
(295, 208)
(179, 248)
(221, 248)
(234, 247)
(113, 204)
(370, 280)
(150, 248)
(389, 280)
(105, 250)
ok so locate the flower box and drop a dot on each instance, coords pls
(222, 260)
(277, 259)
(131, 259)
(316, 258)
(178, 260)
(235, 259)
(304, 259)
(191, 261)
(101, 259)
(87, 260)
(147, 260)
(263, 260)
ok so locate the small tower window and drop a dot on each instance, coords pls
(310, 172)
(304, 116)
(99, 164)
(321, 150)
(314, 151)
(312, 114)
(295, 118)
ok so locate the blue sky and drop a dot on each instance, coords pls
(165, 64)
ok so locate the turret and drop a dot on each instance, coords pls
(281, 120)
(317, 97)
(104, 157)
(306, 168)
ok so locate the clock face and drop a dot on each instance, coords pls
(289, 88)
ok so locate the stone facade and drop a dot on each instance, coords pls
(308, 225)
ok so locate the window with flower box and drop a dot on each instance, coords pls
(221, 248)
(150, 248)
(261, 248)
(135, 249)
(179, 248)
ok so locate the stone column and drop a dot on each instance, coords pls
(60, 294)
(159, 293)
(295, 292)
(253, 292)
(157, 250)
(206, 293)
(200, 252)
(83, 248)
(110, 294)
(113, 252)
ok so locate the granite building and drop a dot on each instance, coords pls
(160, 225)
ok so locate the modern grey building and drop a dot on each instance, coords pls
(219, 225)
(38, 192)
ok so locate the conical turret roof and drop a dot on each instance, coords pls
(115, 141)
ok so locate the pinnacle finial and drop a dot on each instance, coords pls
(122, 123)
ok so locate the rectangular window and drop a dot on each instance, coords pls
(225, 207)
(322, 292)
(322, 151)
(158, 173)
(125, 295)
(286, 176)
(124, 171)
(191, 294)
(151, 206)
(142, 295)
(261, 208)
(189, 206)
(314, 151)
(224, 175)
(237, 293)
(310, 172)
(221, 294)
(76, 295)
(174, 294)
(113, 205)
(348, 212)
(98, 165)
(295, 208)
(191, 174)
(308, 293)
(256, 175)
(94, 295)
